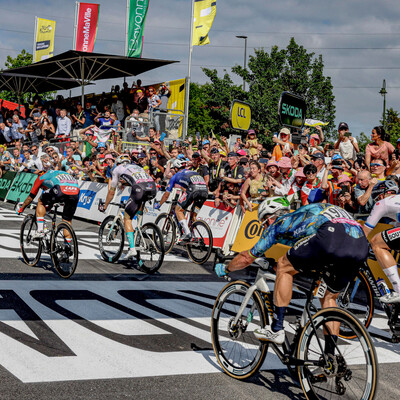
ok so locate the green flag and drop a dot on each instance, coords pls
(136, 19)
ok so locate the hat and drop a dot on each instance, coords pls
(139, 91)
(285, 131)
(271, 163)
(284, 162)
(251, 132)
(300, 173)
(343, 178)
(243, 160)
(206, 142)
(109, 157)
(263, 160)
(100, 145)
(318, 155)
(135, 151)
(315, 136)
(233, 154)
(214, 150)
(342, 125)
(142, 155)
(115, 96)
(181, 157)
(222, 152)
(242, 152)
(196, 155)
(337, 157)
(337, 164)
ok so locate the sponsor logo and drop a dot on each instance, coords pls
(292, 111)
(86, 199)
(253, 229)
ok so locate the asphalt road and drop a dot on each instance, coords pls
(110, 332)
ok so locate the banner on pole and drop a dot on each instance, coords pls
(44, 39)
(203, 18)
(86, 27)
(136, 19)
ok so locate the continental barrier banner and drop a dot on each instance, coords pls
(86, 26)
(5, 183)
(44, 39)
(21, 187)
(136, 19)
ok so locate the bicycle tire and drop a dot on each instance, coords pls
(168, 230)
(104, 233)
(154, 246)
(201, 234)
(358, 298)
(243, 343)
(28, 227)
(333, 380)
(61, 252)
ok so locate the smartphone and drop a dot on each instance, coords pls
(347, 134)
(345, 189)
(296, 152)
(170, 147)
(93, 107)
(151, 140)
(162, 137)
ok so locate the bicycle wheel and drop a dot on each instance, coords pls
(64, 255)
(111, 239)
(238, 351)
(149, 245)
(351, 372)
(31, 249)
(200, 247)
(168, 230)
(358, 299)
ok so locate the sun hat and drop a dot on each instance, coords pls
(284, 162)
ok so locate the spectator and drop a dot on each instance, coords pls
(109, 159)
(104, 121)
(141, 104)
(255, 186)
(16, 160)
(347, 144)
(68, 164)
(199, 167)
(5, 159)
(17, 127)
(157, 165)
(318, 159)
(164, 93)
(5, 133)
(378, 169)
(136, 124)
(346, 198)
(47, 128)
(154, 103)
(311, 191)
(116, 121)
(379, 148)
(363, 191)
(252, 144)
(63, 126)
(283, 145)
(79, 119)
(215, 168)
(117, 107)
(90, 113)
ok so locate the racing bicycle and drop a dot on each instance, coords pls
(64, 255)
(200, 246)
(149, 242)
(351, 372)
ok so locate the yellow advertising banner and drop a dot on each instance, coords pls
(177, 101)
(203, 17)
(44, 39)
(240, 115)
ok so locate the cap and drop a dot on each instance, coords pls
(135, 151)
(285, 131)
(115, 96)
(284, 162)
(214, 150)
(251, 132)
(139, 91)
(233, 154)
(271, 163)
(223, 153)
(342, 125)
(263, 160)
(206, 142)
(100, 145)
(318, 155)
(343, 178)
(337, 157)
(181, 157)
(142, 155)
(242, 152)
(109, 157)
(196, 155)
(243, 160)
(315, 136)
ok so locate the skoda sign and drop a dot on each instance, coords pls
(240, 115)
(292, 110)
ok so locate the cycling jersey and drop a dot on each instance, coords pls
(388, 207)
(187, 179)
(305, 221)
(58, 180)
(131, 173)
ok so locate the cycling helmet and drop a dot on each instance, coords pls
(123, 159)
(383, 187)
(179, 164)
(273, 206)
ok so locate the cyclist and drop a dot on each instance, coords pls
(194, 191)
(388, 205)
(143, 189)
(58, 187)
(318, 233)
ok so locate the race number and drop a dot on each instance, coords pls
(197, 180)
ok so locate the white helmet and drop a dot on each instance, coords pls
(272, 206)
(179, 164)
(123, 158)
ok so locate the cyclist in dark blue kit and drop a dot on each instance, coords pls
(321, 236)
(194, 191)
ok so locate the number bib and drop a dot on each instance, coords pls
(197, 180)
(338, 215)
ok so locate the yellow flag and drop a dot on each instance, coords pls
(44, 39)
(203, 18)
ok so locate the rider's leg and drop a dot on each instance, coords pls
(40, 214)
(180, 214)
(67, 234)
(386, 260)
(329, 300)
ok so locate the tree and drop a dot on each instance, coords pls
(22, 59)
(268, 75)
(392, 125)
(362, 142)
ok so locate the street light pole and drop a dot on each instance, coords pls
(383, 92)
(245, 55)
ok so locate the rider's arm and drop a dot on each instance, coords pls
(377, 213)
(242, 260)
(164, 198)
(110, 196)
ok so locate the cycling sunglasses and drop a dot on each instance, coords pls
(376, 165)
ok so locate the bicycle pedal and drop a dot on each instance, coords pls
(321, 378)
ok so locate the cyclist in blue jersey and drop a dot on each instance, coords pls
(194, 191)
(321, 236)
(58, 187)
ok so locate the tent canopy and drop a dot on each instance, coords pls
(86, 67)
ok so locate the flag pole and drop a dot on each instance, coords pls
(34, 40)
(187, 85)
(126, 27)
(75, 25)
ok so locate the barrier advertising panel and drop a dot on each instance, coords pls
(21, 187)
(5, 183)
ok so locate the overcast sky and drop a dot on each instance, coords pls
(359, 42)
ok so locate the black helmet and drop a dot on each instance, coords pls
(383, 187)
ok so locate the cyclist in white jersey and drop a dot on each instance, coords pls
(388, 205)
(143, 189)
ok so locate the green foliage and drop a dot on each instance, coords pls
(392, 125)
(22, 59)
(268, 75)
(362, 141)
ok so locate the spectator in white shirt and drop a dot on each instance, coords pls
(347, 144)
(63, 126)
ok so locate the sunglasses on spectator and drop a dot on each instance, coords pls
(376, 165)
(311, 172)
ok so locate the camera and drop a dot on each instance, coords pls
(151, 140)
(200, 146)
(347, 134)
(296, 138)
(344, 190)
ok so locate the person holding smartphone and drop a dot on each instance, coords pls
(347, 143)
(346, 197)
